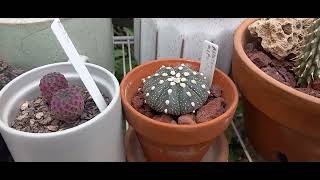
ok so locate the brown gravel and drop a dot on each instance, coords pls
(280, 70)
(35, 117)
(209, 111)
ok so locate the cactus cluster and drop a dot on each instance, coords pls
(307, 67)
(176, 90)
(66, 103)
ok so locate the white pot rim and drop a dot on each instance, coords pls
(115, 98)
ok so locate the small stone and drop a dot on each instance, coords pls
(164, 74)
(52, 128)
(172, 72)
(173, 122)
(161, 81)
(203, 86)
(19, 118)
(147, 94)
(55, 122)
(194, 73)
(39, 115)
(149, 77)
(178, 75)
(156, 74)
(169, 91)
(46, 121)
(163, 118)
(32, 121)
(189, 94)
(193, 81)
(211, 110)
(172, 83)
(183, 79)
(166, 111)
(180, 67)
(316, 84)
(24, 106)
(152, 88)
(167, 102)
(187, 119)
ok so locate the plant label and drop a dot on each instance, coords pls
(78, 63)
(208, 60)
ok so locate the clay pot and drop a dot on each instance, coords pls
(170, 142)
(282, 123)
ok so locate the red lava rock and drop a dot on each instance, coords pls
(164, 118)
(187, 119)
(309, 91)
(260, 59)
(288, 65)
(211, 110)
(288, 77)
(137, 101)
(316, 85)
(173, 122)
(215, 91)
(271, 71)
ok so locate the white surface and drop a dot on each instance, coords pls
(189, 33)
(100, 139)
(30, 43)
(77, 62)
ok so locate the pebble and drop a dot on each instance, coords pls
(39, 115)
(53, 128)
(24, 106)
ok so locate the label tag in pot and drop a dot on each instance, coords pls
(208, 60)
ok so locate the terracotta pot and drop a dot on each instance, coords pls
(282, 123)
(169, 142)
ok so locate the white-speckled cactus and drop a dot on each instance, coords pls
(176, 90)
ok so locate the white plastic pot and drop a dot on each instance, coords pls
(100, 139)
(30, 42)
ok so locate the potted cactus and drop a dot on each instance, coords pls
(46, 115)
(276, 67)
(176, 114)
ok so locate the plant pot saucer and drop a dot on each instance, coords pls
(218, 152)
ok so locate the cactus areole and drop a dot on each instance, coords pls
(176, 90)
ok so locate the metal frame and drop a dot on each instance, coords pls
(129, 41)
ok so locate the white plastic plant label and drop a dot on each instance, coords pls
(78, 63)
(208, 60)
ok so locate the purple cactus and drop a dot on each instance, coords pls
(51, 83)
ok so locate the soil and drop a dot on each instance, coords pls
(280, 70)
(214, 107)
(35, 117)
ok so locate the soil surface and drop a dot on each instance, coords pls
(280, 70)
(35, 117)
(214, 107)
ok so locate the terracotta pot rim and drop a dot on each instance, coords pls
(238, 38)
(146, 119)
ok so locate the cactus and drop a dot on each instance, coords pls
(67, 104)
(307, 67)
(51, 83)
(176, 90)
